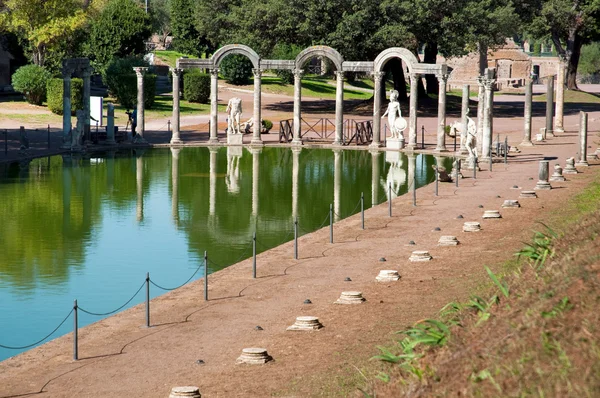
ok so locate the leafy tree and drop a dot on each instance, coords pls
(186, 39)
(569, 24)
(589, 63)
(31, 81)
(119, 31)
(236, 69)
(160, 11)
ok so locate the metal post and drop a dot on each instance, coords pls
(475, 165)
(491, 160)
(330, 223)
(497, 145)
(390, 199)
(75, 349)
(205, 276)
(254, 256)
(506, 150)
(169, 126)
(457, 172)
(147, 299)
(422, 137)
(436, 177)
(362, 209)
(296, 238)
(48, 136)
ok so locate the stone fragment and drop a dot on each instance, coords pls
(306, 323)
(491, 214)
(420, 255)
(448, 241)
(187, 391)
(570, 167)
(528, 195)
(254, 356)
(511, 204)
(558, 174)
(471, 226)
(350, 298)
(387, 276)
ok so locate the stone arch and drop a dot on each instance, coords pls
(323, 51)
(229, 49)
(395, 52)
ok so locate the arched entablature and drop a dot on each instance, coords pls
(323, 51)
(395, 52)
(229, 49)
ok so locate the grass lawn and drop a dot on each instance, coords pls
(170, 57)
(572, 96)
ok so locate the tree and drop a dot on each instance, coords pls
(42, 24)
(186, 38)
(589, 62)
(569, 24)
(119, 31)
(160, 12)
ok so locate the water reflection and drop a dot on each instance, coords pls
(396, 175)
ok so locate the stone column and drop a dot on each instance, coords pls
(175, 184)
(377, 77)
(66, 108)
(488, 115)
(549, 103)
(480, 112)
(297, 105)
(560, 97)
(295, 171)
(375, 175)
(212, 195)
(256, 140)
(412, 125)
(175, 138)
(337, 182)
(110, 124)
(583, 130)
(543, 175)
(441, 128)
(528, 99)
(139, 137)
(339, 108)
(214, 112)
(87, 72)
(255, 180)
(464, 112)
(139, 180)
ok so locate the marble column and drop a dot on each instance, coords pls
(175, 137)
(463, 114)
(412, 122)
(256, 140)
(583, 130)
(412, 170)
(212, 195)
(375, 176)
(255, 180)
(337, 183)
(528, 100)
(295, 171)
(175, 184)
(549, 103)
(543, 175)
(441, 128)
(214, 112)
(66, 108)
(487, 116)
(339, 108)
(480, 112)
(139, 180)
(139, 137)
(110, 124)
(87, 72)
(297, 106)
(377, 78)
(560, 97)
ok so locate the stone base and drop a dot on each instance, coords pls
(306, 323)
(582, 163)
(491, 214)
(188, 391)
(592, 156)
(471, 226)
(350, 298)
(448, 241)
(420, 255)
(511, 204)
(528, 195)
(254, 356)
(558, 177)
(395, 143)
(235, 139)
(545, 185)
(176, 141)
(213, 141)
(257, 142)
(375, 145)
(570, 170)
(526, 143)
(387, 276)
(296, 142)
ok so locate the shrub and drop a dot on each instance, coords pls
(285, 51)
(54, 89)
(196, 86)
(236, 69)
(31, 81)
(267, 124)
(122, 82)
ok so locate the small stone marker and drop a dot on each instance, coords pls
(558, 174)
(471, 226)
(528, 195)
(420, 255)
(491, 214)
(570, 167)
(437, 229)
(448, 241)
(511, 204)
(254, 356)
(307, 301)
(306, 323)
(387, 275)
(543, 173)
(460, 217)
(347, 279)
(187, 391)
(515, 187)
(350, 298)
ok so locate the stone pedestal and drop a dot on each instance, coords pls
(387, 276)
(471, 226)
(235, 139)
(350, 298)
(528, 195)
(448, 241)
(558, 174)
(511, 204)
(570, 167)
(543, 174)
(491, 214)
(420, 255)
(187, 391)
(307, 323)
(394, 143)
(254, 356)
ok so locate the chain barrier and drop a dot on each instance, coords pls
(236, 261)
(39, 341)
(316, 229)
(351, 213)
(112, 312)
(177, 287)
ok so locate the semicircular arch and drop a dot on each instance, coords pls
(323, 51)
(395, 52)
(229, 49)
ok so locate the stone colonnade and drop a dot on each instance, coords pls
(70, 66)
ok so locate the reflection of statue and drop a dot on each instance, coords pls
(77, 132)
(396, 175)
(395, 121)
(232, 179)
(234, 109)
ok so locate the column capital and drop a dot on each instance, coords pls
(442, 77)
(257, 72)
(140, 71)
(214, 72)
(87, 71)
(488, 83)
(414, 76)
(66, 71)
(378, 75)
(298, 73)
(339, 74)
(176, 71)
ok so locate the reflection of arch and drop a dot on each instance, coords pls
(395, 52)
(224, 51)
(323, 51)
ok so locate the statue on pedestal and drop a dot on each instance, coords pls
(77, 132)
(396, 122)
(234, 109)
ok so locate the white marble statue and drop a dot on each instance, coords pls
(396, 122)
(471, 143)
(234, 109)
(396, 176)
(77, 132)
(232, 179)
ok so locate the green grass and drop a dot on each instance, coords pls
(170, 57)
(572, 96)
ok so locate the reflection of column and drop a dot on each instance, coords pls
(175, 138)
(528, 98)
(213, 180)
(214, 100)
(255, 180)
(297, 106)
(175, 184)
(110, 170)
(337, 182)
(375, 173)
(488, 83)
(560, 97)
(66, 190)
(412, 125)
(86, 103)
(464, 113)
(377, 76)
(139, 179)
(339, 108)
(66, 107)
(295, 171)
(139, 136)
(549, 103)
(412, 169)
(441, 129)
(256, 140)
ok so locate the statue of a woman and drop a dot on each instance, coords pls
(396, 123)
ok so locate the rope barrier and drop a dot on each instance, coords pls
(183, 284)
(39, 341)
(236, 261)
(351, 213)
(112, 312)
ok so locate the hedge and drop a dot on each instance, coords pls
(31, 81)
(54, 90)
(196, 86)
(122, 82)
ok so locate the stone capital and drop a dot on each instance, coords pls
(66, 71)
(140, 71)
(442, 77)
(87, 71)
(257, 72)
(298, 73)
(378, 75)
(176, 71)
(488, 83)
(414, 77)
(214, 72)
(339, 74)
